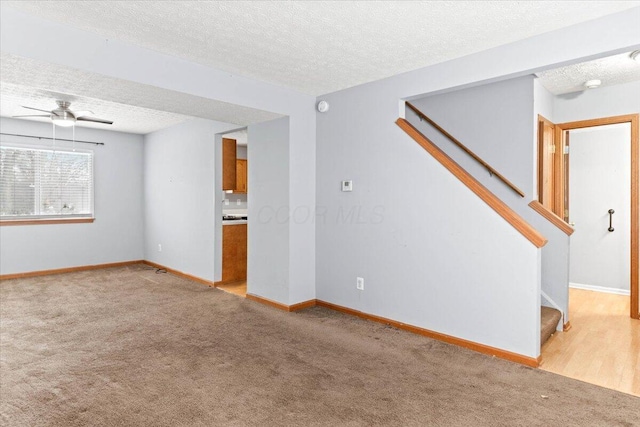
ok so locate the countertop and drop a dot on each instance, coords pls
(235, 222)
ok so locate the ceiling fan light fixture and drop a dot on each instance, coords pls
(65, 123)
(63, 117)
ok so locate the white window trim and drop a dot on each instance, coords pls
(59, 146)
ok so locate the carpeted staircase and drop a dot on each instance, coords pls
(549, 318)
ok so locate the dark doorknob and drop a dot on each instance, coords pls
(611, 212)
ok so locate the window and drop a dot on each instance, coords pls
(45, 184)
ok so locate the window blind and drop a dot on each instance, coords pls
(40, 183)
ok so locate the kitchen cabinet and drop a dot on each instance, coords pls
(228, 164)
(234, 170)
(234, 252)
(241, 176)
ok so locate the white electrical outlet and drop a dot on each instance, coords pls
(159, 247)
(226, 202)
(360, 283)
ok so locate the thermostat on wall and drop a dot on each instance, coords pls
(347, 185)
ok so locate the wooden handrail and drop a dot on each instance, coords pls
(551, 217)
(474, 185)
(487, 166)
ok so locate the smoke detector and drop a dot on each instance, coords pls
(592, 84)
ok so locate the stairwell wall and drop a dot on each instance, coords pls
(498, 122)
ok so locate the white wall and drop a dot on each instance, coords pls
(599, 180)
(268, 262)
(180, 197)
(117, 233)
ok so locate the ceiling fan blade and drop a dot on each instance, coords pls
(94, 119)
(38, 109)
(34, 115)
(79, 114)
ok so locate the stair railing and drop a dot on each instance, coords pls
(474, 185)
(473, 155)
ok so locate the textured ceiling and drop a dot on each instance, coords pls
(611, 70)
(133, 107)
(126, 118)
(319, 47)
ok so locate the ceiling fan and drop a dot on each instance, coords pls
(63, 116)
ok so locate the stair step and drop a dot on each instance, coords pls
(549, 318)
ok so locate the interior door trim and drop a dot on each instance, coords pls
(635, 188)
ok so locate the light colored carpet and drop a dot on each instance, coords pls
(129, 347)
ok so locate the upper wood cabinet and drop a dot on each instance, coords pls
(228, 164)
(241, 176)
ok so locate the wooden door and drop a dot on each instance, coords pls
(228, 164)
(546, 164)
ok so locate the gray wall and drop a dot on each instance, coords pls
(600, 177)
(498, 122)
(411, 276)
(241, 152)
(555, 255)
(543, 102)
(602, 102)
(432, 254)
(117, 233)
(30, 37)
(268, 226)
(494, 121)
(180, 208)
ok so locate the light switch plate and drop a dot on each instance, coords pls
(347, 185)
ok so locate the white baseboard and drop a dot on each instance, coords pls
(600, 289)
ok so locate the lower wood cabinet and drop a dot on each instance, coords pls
(234, 252)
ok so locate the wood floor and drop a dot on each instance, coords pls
(603, 345)
(237, 288)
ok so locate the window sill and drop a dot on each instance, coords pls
(43, 221)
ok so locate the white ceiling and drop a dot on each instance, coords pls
(612, 70)
(314, 47)
(321, 46)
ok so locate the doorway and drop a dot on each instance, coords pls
(555, 180)
(598, 205)
(234, 193)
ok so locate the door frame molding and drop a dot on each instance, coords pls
(635, 190)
